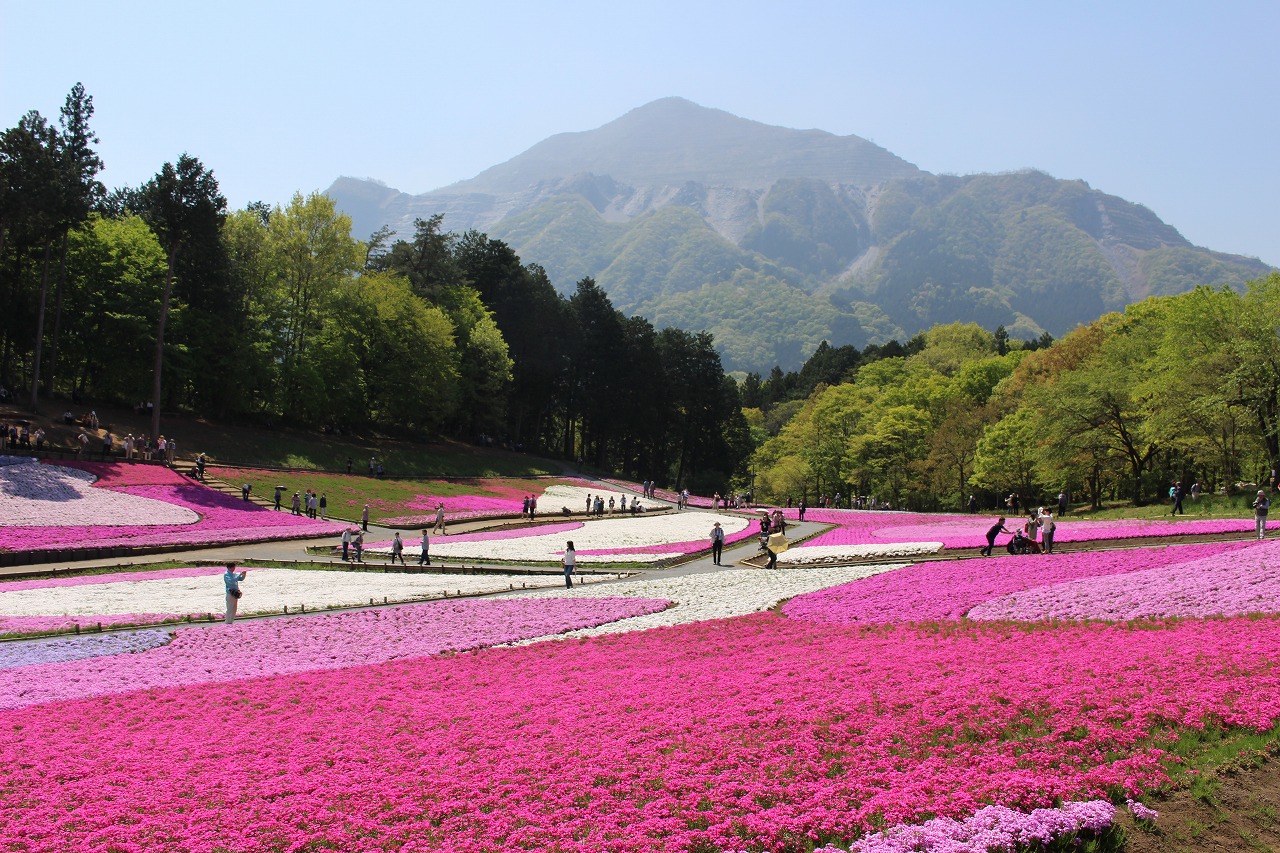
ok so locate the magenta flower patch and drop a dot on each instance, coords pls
(756, 732)
(952, 589)
(218, 518)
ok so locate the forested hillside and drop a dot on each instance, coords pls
(1179, 388)
(675, 210)
(277, 314)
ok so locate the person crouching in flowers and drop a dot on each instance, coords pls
(566, 562)
(231, 580)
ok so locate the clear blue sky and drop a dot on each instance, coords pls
(1171, 104)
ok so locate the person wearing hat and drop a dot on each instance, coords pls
(717, 543)
(1260, 507)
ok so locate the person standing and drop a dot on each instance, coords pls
(1260, 507)
(973, 504)
(346, 544)
(567, 562)
(996, 530)
(717, 543)
(424, 557)
(1062, 504)
(324, 507)
(231, 580)
(244, 491)
(397, 549)
(358, 544)
(533, 506)
(439, 528)
(364, 519)
(804, 506)
(524, 507)
(279, 492)
(1047, 526)
(297, 503)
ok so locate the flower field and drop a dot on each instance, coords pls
(153, 597)
(106, 504)
(944, 706)
(869, 527)
(609, 540)
(400, 503)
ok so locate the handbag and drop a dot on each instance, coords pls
(235, 593)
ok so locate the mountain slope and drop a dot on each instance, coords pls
(687, 214)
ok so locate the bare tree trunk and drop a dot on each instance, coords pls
(44, 297)
(159, 359)
(57, 316)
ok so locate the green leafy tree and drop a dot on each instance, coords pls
(313, 252)
(183, 206)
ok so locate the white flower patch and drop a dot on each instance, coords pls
(712, 595)
(831, 554)
(606, 535)
(265, 591)
(575, 498)
(54, 496)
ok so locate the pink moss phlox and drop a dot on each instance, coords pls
(869, 527)
(756, 730)
(1227, 583)
(328, 641)
(223, 518)
(950, 590)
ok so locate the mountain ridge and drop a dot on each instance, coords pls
(841, 239)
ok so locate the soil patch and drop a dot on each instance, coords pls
(1239, 810)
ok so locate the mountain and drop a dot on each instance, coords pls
(776, 239)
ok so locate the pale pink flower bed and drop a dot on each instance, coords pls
(223, 518)
(1244, 580)
(952, 589)
(18, 625)
(865, 527)
(273, 647)
(759, 732)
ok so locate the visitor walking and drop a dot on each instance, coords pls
(717, 543)
(439, 528)
(364, 519)
(346, 544)
(996, 530)
(397, 549)
(358, 544)
(231, 580)
(424, 557)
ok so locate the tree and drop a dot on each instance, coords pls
(313, 252)
(182, 205)
(78, 166)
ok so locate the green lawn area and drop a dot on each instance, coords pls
(1209, 506)
(387, 498)
(259, 446)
